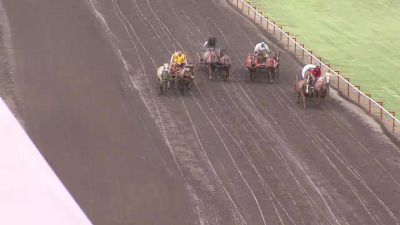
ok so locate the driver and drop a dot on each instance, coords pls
(261, 49)
(210, 43)
(178, 60)
(316, 73)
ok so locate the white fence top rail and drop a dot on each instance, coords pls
(319, 61)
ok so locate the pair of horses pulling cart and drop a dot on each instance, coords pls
(267, 64)
(216, 61)
(171, 76)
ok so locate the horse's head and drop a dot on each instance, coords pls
(188, 70)
(277, 57)
(327, 76)
(166, 66)
(225, 60)
(252, 59)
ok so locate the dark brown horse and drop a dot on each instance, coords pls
(321, 88)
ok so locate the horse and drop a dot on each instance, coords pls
(185, 78)
(273, 67)
(277, 59)
(302, 88)
(321, 88)
(251, 65)
(163, 77)
(210, 60)
(224, 65)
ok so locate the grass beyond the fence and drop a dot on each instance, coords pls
(359, 38)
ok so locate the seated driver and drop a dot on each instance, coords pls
(316, 73)
(210, 43)
(178, 61)
(261, 50)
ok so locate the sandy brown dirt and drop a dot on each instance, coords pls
(235, 152)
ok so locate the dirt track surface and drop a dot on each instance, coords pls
(238, 152)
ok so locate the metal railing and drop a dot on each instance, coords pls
(338, 82)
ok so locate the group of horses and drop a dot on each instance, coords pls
(306, 88)
(267, 64)
(219, 63)
(171, 76)
(216, 61)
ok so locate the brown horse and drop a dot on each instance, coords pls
(321, 88)
(185, 79)
(273, 67)
(302, 88)
(210, 60)
(251, 65)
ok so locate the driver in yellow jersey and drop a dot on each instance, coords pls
(178, 60)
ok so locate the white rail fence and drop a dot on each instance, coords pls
(340, 83)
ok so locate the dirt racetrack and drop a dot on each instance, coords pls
(235, 152)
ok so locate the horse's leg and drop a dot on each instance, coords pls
(209, 72)
(304, 100)
(298, 97)
(161, 87)
(272, 78)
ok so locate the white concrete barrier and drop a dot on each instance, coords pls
(30, 192)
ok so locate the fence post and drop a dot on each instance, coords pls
(274, 26)
(288, 35)
(302, 45)
(280, 32)
(295, 45)
(348, 86)
(338, 80)
(369, 103)
(255, 13)
(248, 10)
(358, 93)
(267, 23)
(261, 18)
(380, 110)
(394, 121)
(320, 61)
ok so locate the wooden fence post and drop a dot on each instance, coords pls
(358, 94)
(369, 103)
(394, 121)
(380, 110)
(288, 37)
(348, 86)
(338, 80)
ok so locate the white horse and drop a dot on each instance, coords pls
(163, 77)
